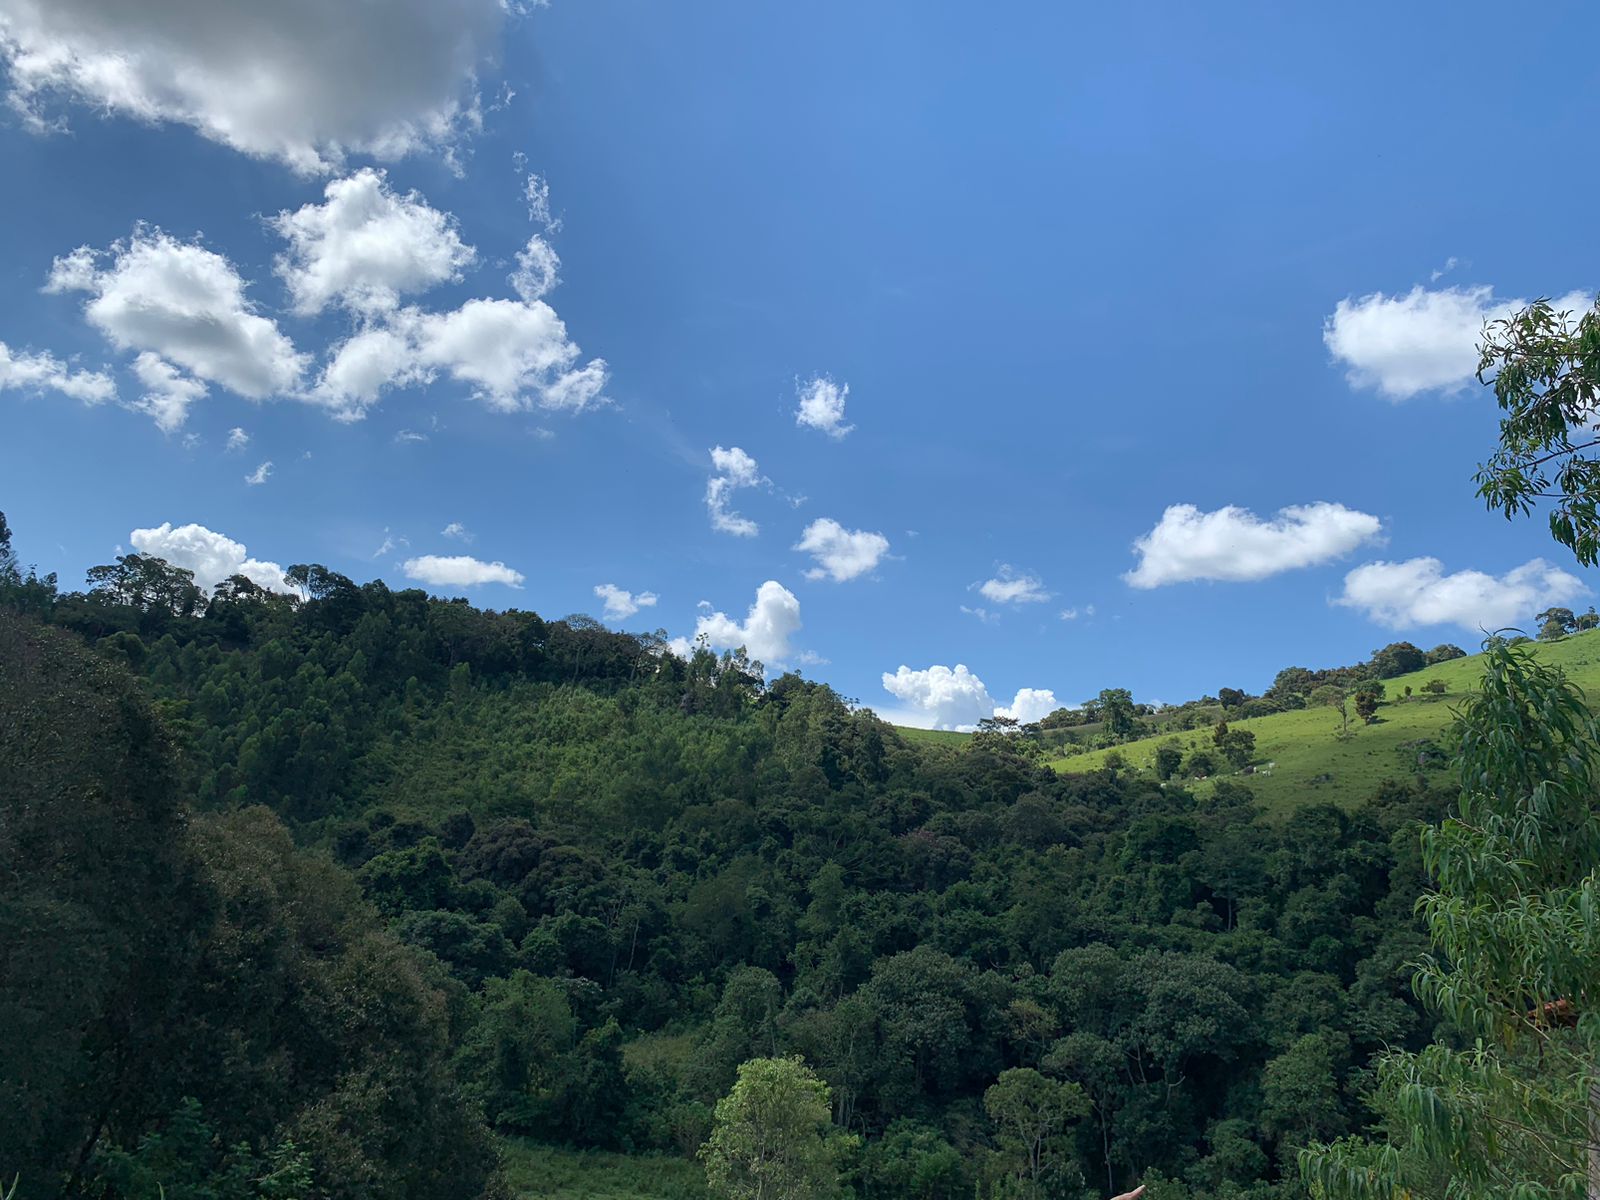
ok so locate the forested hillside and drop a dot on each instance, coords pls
(359, 876)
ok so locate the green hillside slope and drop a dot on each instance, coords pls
(1300, 757)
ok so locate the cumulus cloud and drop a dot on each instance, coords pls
(459, 571)
(1403, 595)
(1235, 545)
(773, 619)
(822, 406)
(45, 372)
(168, 394)
(212, 556)
(260, 475)
(840, 553)
(940, 697)
(732, 469)
(185, 304)
(620, 605)
(238, 439)
(515, 355)
(365, 246)
(301, 81)
(1424, 340)
(458, 531)
(1010, 586)
(1030, 705)
(363, 367)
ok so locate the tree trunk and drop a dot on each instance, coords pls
(1593, 1190)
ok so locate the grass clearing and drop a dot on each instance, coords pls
(1301, 759)
(934, 737)
(538, 1172)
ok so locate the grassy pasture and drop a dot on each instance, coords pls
(538, 1172)
(1301, 758)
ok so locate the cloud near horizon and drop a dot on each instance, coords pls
(212, 556)
(1234, 545)
(773, 619)
(621, 604)
(1417, 592)
(460, 570)
(944, 698)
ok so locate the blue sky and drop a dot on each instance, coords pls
(1075, 269)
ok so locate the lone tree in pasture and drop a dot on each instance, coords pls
(1509, 1106)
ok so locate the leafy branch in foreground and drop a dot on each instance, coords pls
(1545, 369)
(1515, 923)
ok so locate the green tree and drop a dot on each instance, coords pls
(1031, 1112)
(1545, 369)
(1366, 701)
(1168, 760)
(1115, 709)
(1238, 746)
(771, 1138)
(1555, 623)
(518, 1053)
(1514, 916)
(1397, 658)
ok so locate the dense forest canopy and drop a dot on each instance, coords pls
(413, 872)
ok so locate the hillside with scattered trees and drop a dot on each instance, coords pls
(431, 874)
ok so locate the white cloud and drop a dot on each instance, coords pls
(538, 269)
(1069, 614)
(459, 571)
(168, 395)
(840, 553)
(184, 303)
(260, 475)
(363, 366)
(210, 555)
(773, 619)
(1425, 340)
(944, 698)
(621, 605)
(45, 372)
(1234, 544)
(1010, 586)
(536, 190)
(822, 406)
(365, 246)
(1030, 705)
(1403, 595)
(301, 81)
(458, 531)
(391, 542)
(238, 439)
(515, 354)
(734, 469)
